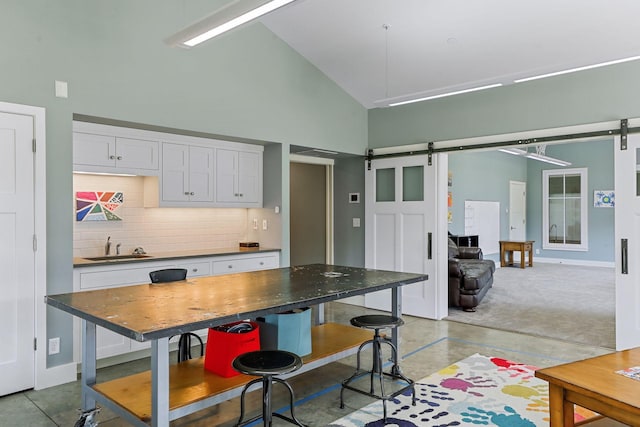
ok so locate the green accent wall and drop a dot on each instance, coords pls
(247, 84)
(592, 96)
(485, 175)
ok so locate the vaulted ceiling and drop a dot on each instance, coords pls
(381, 50)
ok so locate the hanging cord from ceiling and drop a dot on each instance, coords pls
(386, 59)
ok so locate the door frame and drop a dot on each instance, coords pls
(441, 218)
(43, 377)
(329, 224)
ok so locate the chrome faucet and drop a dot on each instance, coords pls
(118, 248)
(107, 246)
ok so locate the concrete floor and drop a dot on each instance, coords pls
(426, 347)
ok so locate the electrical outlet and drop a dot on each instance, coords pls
(264, 224)
(54, 345)
(255, 223)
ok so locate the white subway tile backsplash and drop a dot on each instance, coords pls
(155, 229)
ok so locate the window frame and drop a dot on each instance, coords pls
(584, 196)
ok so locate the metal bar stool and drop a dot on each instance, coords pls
(184, 343)
(267, 363)
(378, 322)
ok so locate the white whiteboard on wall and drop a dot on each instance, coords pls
(482, 218)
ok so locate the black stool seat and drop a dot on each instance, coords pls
(266, 364)
(378, 322)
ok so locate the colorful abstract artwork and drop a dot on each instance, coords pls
(604, 198)
(98, 205)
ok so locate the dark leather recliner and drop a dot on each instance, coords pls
(470, 276)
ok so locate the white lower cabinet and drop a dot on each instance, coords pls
(85, 278)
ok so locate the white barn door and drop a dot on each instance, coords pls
(627, 231)
(17, 287)
(400, 229)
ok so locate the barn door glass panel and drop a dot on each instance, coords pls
(385, 185)
(413, 184)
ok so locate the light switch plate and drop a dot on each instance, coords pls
(62, 89)
(356, 222)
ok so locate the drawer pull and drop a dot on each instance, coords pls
(230, 266)
(261, 262)
(195, 270)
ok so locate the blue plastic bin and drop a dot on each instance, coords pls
(290, 331)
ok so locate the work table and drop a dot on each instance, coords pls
(172, 255)
(154, 312)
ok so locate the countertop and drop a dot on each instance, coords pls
(159, 256)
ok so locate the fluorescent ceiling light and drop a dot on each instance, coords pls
(535, 156)
(515, 151)
(233, 15)
(442, 95)
(547, 159)
(573, 70)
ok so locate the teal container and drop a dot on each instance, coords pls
(289, 331)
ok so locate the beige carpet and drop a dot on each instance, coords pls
(571, 303)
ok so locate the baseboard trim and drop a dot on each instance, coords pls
(585, 263)
(56, 375)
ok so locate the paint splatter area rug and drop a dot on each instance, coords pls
(476, 391)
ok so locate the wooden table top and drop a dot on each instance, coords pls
(597, 377)
(151, 311)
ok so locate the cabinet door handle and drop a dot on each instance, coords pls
(241, 194)
(186, 193)
(119, 157)
(192, 193)
(429, 245)
(112, 157)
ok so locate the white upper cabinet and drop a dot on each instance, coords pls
(187, 173)
(102, 153)
(239, 178)
(184, 171)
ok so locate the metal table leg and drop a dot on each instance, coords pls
(160, 382)
(88, 363)
(396, 310)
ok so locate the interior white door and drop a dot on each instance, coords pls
(17, 287)
(627, 231)
(517, 210)
(400, 226)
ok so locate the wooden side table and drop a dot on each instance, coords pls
(507, 247)
(595, 385)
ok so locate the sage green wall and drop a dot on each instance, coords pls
(247, 84)
(603, 94)
(348, 175)
(597, 157)
(483, 175)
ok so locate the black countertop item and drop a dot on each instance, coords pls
(151, 311)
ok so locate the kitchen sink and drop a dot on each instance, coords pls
(116, 257)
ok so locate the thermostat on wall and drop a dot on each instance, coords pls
(354, 197)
